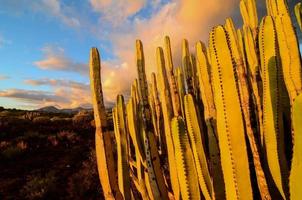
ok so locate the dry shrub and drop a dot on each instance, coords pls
(53, 140)
(39, 186)
(12, 152)
(85, 183)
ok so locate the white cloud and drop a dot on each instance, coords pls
(4, 41)
(117, 11)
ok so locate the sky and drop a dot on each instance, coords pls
(45, 44)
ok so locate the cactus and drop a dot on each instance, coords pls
(198, 149)
(167, 115)
(155, 177)
(106, 165)
(122, 148)
(231, 113)
(272, 115)
(185, 166)
(298, 13)
(229, 119)
(210, 118)
(296, 168)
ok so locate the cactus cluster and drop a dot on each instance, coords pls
(226, 124)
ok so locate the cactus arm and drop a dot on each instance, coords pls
(242, 84)
(296, 167)
(194, 132)
(244, 13)
(105, 160)
(230, 127)
(290, 56)
(181, 87)
(158, 113)
(171, 78)
(204, 81)
(188, 73)
(184, 161)
(298, 14)
(167, 115)
(254, 76)
(210, 117)
(133, 130)
(122, 149)
(155, 176)
(272, 115)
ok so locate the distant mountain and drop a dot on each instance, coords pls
(49, 109)
(53, 109)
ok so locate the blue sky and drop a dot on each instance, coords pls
(44, 44)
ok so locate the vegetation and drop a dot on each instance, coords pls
(50, 159)
(226, 124)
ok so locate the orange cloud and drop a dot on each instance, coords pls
(55, 59)
(190, 19)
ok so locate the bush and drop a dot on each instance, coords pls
(39, 186)
(41, 120)
(85, 183)
(12, 152)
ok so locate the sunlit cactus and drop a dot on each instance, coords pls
(226, 124)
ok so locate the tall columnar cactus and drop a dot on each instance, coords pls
(172, 79)
(155, 177)
(181, 87)
(272, 109)
(249, 14)
(298, 13)
(167, 116)
(240, 72)
(122, 148)
(187, 67)
(194, 132)
(290, 56)
(230, 125)
(203, 71)
(296, 167)
(254, 77)
(214, 111)
(105, 160)
(185, 166)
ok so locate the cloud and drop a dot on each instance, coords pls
(72, 93)
(190, 19)
(4, 77)
(59, 10)
(64, 94)
(34, 96)
(4, 41)
(117, 11)
(57, 82)
(55, 8)
(55, 59)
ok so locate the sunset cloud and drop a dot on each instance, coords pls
(34, 96)
(55, 59)
(70, 94)
(190, 19)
